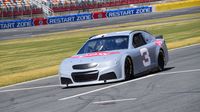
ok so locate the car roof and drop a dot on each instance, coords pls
(120, 33)
(125, 33)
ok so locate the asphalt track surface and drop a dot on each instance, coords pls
(39, 30)
(177, 89)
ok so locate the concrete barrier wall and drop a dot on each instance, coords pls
(74, 17)
(98, 15)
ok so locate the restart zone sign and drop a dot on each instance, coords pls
(15, 24)
(69, 18)
(129, 11)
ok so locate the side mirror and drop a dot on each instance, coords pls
(159, 37)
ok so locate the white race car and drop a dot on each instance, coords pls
(114, 57)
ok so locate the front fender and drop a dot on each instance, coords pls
(122, 62)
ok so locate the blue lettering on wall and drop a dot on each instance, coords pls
(16, 24)
(75, 17)
(69, 18)
(129, 11)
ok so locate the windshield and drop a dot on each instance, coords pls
(105, 44)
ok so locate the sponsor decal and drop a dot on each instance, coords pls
(39, 21)
(97, 15)
(104, 53)
(158, 43)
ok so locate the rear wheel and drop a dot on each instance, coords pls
(128, 68)
(161, 61)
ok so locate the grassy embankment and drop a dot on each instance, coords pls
(31, 58)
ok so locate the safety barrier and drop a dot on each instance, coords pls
(97, 15)
(74, 17)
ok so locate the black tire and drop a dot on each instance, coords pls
(161, 61)
(128, 68)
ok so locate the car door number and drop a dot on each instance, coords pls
(145, 54)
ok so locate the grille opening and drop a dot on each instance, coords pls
(85, 76)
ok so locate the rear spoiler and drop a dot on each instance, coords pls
(159, 37)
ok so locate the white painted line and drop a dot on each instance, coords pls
(57, 75)
(22, 35)
(122, 83)
(29, 81)
(113, 101)
(178, 72)
(31, 88)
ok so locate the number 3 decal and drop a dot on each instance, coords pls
(145, 54)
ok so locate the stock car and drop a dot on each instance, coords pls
(114, 57)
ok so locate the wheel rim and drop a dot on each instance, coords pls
(128, 69)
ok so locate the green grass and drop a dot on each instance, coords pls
(30, 58)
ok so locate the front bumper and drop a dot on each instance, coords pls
(91, 76)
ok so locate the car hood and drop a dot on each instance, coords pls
(95, 57)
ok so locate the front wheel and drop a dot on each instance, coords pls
(128, 69)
